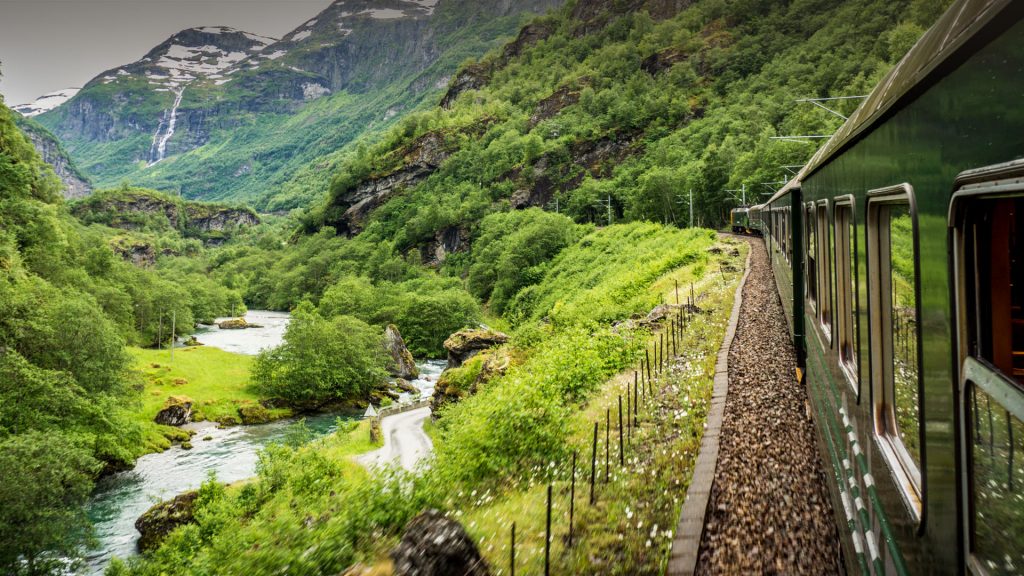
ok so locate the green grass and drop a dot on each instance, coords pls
(659, 461)
(216, 381)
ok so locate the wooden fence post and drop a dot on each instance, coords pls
(572, 497)
(622, 453)
(512, 553)
(547, 538)
(593, 465)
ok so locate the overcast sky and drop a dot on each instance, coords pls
(47, 45)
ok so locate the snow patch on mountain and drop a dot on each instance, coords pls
(46, 102)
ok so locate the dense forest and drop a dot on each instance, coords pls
(547, 196)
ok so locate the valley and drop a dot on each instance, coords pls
(498, 212)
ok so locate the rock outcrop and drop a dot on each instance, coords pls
(457, 383)
(434, 545)
(402, 363)
(76, 184)
(661, 61)
(135, 209)
(157, 522)
(177, 411)
(472, 77)
(550, 107)
(420, 158)
(451, 240)
(550, 174)
(465, 344)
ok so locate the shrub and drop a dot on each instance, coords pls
(322, 360)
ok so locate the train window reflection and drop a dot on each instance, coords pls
(893, 326)
(812, 253)
(903, 328)
(846, 306)
(825, 276)
(997, 480)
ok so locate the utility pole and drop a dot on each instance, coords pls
(173, 319)
(607, 202)
(691, 207)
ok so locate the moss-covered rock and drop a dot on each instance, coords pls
(226, 421)
(177, 411)
(157, 522)
(465, 344)
(254, 414)
(465, 380)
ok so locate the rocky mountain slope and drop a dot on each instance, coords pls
(217, 113)
(612, 111)
(76, 183)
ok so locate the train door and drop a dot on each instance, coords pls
(987, 221)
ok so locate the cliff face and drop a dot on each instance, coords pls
(76, 184)
(150, 211)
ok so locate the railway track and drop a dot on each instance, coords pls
(769, 510)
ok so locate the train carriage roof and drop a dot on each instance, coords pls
(940, 50)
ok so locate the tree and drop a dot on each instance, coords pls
(322, 361)
(45, 479)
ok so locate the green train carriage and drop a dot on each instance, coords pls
(898, 251)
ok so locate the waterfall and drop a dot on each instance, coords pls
(159, 148)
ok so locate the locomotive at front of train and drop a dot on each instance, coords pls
(898, 251)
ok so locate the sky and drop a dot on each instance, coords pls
(48, 45)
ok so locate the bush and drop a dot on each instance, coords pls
(45, 480)
(322, 361)
(512, 251)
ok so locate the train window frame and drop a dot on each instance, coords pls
(1001, 181)
(825, 244)
(847, 311)
(906, 472)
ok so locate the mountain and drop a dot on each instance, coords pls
(46, 102)
(216, 113)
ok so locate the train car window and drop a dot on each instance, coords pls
(995, 440)
(825, 273)
(990, 300)
(812, 254)
(846, 304)
(896, 382)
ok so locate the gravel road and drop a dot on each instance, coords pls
(769, 511)
(405, 442)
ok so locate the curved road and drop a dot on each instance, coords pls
(405, 442)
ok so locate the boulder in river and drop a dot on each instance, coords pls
(435, 545)
(402, 363)
(254, 414)
(465, 344)
(236, 324)
(157, 522)
(177, 411)
(406, 386)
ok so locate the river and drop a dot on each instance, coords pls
(230, 453)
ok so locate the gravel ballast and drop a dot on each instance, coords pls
(769, 510)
